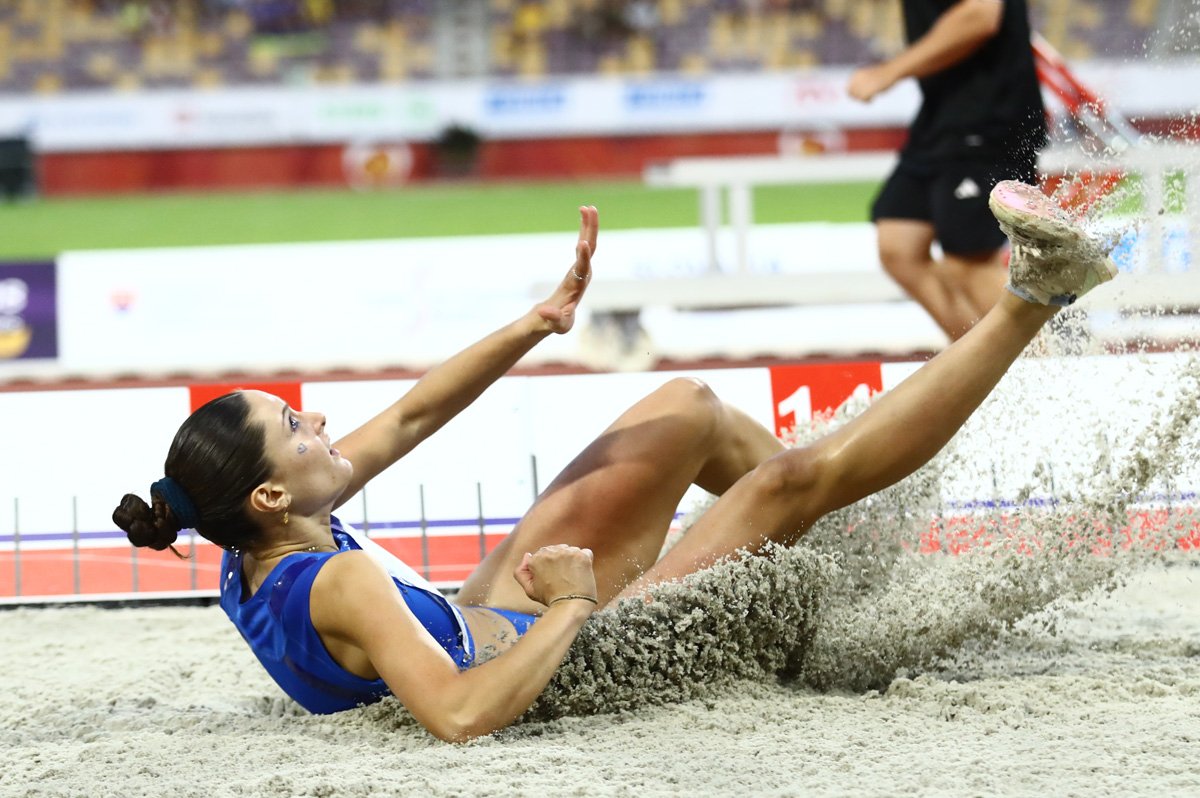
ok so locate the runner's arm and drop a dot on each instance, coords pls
(961, 30)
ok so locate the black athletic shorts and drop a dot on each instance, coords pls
(953, 195)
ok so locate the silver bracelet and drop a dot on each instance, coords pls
(573, 596)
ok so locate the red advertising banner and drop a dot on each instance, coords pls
(287, 391)
(798, 393)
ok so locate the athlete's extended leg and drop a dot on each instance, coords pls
(619, 495)
(1053, 264)
(782, 498)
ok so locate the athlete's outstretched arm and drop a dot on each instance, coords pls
(370, 631)
(960, 31)
(449, 388)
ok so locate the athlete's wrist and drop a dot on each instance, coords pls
(577, 604)
(533, 327)
(574, 597)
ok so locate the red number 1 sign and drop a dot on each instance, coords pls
(800, 392)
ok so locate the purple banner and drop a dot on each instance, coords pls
(28, 310)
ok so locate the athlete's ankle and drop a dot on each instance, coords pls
(1025, 309)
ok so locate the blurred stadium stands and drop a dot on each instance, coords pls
(49, 46)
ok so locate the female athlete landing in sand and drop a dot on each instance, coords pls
(338, 622)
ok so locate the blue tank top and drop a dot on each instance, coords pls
(275, 622)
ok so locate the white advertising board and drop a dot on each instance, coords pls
(413, 302)
(662, 104)
(95, 445)
(371, 305)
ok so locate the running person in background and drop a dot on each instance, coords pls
(338, 622)
(981, 121)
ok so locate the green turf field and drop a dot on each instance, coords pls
(48, 226)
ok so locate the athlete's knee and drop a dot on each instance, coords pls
(793, 477)
(694, 398)
(690, 392)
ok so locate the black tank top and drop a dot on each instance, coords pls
(986, 106)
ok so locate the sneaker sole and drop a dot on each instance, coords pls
(1019, 205)
(1028, 216)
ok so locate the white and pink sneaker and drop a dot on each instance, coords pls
(1053, 261)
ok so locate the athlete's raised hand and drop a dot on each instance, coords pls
(558, 312)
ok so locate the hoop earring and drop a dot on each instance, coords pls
(285, 517)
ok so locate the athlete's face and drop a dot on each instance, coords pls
(313, 473)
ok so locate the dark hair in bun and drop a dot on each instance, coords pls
(218, 457)
(153, 526)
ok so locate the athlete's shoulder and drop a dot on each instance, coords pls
(352, 571)
(350, 592)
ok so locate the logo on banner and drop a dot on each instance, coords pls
(368, 165)
(122, 300)
(70, 121)
(801, 393)
(224, 123)
(664, 96)
(28, 311)
(820, 91)
(531, 100)
(371, 111)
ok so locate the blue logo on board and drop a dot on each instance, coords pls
(525, 100)
(664, 96)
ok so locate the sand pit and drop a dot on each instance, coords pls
(1057, 654)
(168, 701)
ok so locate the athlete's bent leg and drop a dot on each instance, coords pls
(619, 495)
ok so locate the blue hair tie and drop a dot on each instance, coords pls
(175, 497)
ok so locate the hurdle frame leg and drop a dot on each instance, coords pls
(741, 218)
(710, 218)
